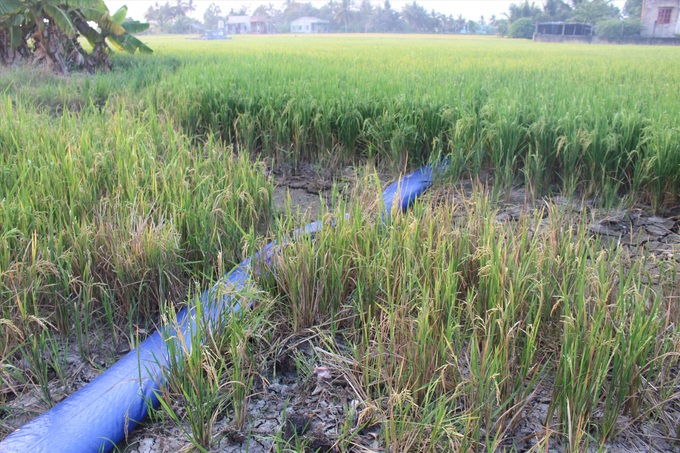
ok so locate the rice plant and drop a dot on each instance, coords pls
(119, 192)
(460, 322)
(550, 113)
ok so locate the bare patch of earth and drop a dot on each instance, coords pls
(305, 190)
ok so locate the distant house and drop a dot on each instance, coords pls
(309, 25)
(237, 25)
(660, 19)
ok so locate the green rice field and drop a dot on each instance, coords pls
(454, 327)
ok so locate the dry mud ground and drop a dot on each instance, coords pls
(288, 406)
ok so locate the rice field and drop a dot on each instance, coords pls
(588, 120)
(450, 328)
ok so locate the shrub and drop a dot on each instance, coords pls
(522, 28)
(502, 27)
(617, 29)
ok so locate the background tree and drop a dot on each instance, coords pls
(594, 11)
(212, 16)
(555, 11)
(242, 10)
(615, 29)
(172, 17)
(522, 28)
(162, 16)
(267, 10)
(417, 18)
(342, 12)
(524, 10)
(387, 20)
(185, 25)
(633, 8)
(438, 22)
(366, 16)
(502, 27)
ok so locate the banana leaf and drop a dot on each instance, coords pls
(135, 26)
(129, 43)
(120, 15)
(8, 7)
(16, 36)
(61, 18)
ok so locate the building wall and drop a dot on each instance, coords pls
(261, 28)
(301, 26)
(650, 15)
(540, 37)
(307, 25)
(297, 27)
(246, 25)
(238, 25)
(600, 40)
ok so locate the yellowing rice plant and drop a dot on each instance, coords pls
(520, 306)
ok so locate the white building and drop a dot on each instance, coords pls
(309, 25)
(660, 19)
(237, 25)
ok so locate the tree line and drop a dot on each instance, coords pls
(364, 16)
(609, 20)
(344, 16)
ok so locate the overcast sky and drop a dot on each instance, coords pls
(470, 9)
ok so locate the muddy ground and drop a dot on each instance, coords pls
(288, 406)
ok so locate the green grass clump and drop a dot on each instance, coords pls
(211, 370)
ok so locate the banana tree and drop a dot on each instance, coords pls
(47, 26)
(112, 31)
(52, 28)
(13, 44)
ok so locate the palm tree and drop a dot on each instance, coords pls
(417, 18)
(460, 23)
(367, 15)
(556, 9)
(520, 11)
(184, 7)
(343, 12)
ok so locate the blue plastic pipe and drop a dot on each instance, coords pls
(100, 414)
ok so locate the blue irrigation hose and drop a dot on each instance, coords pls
(100, 414)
